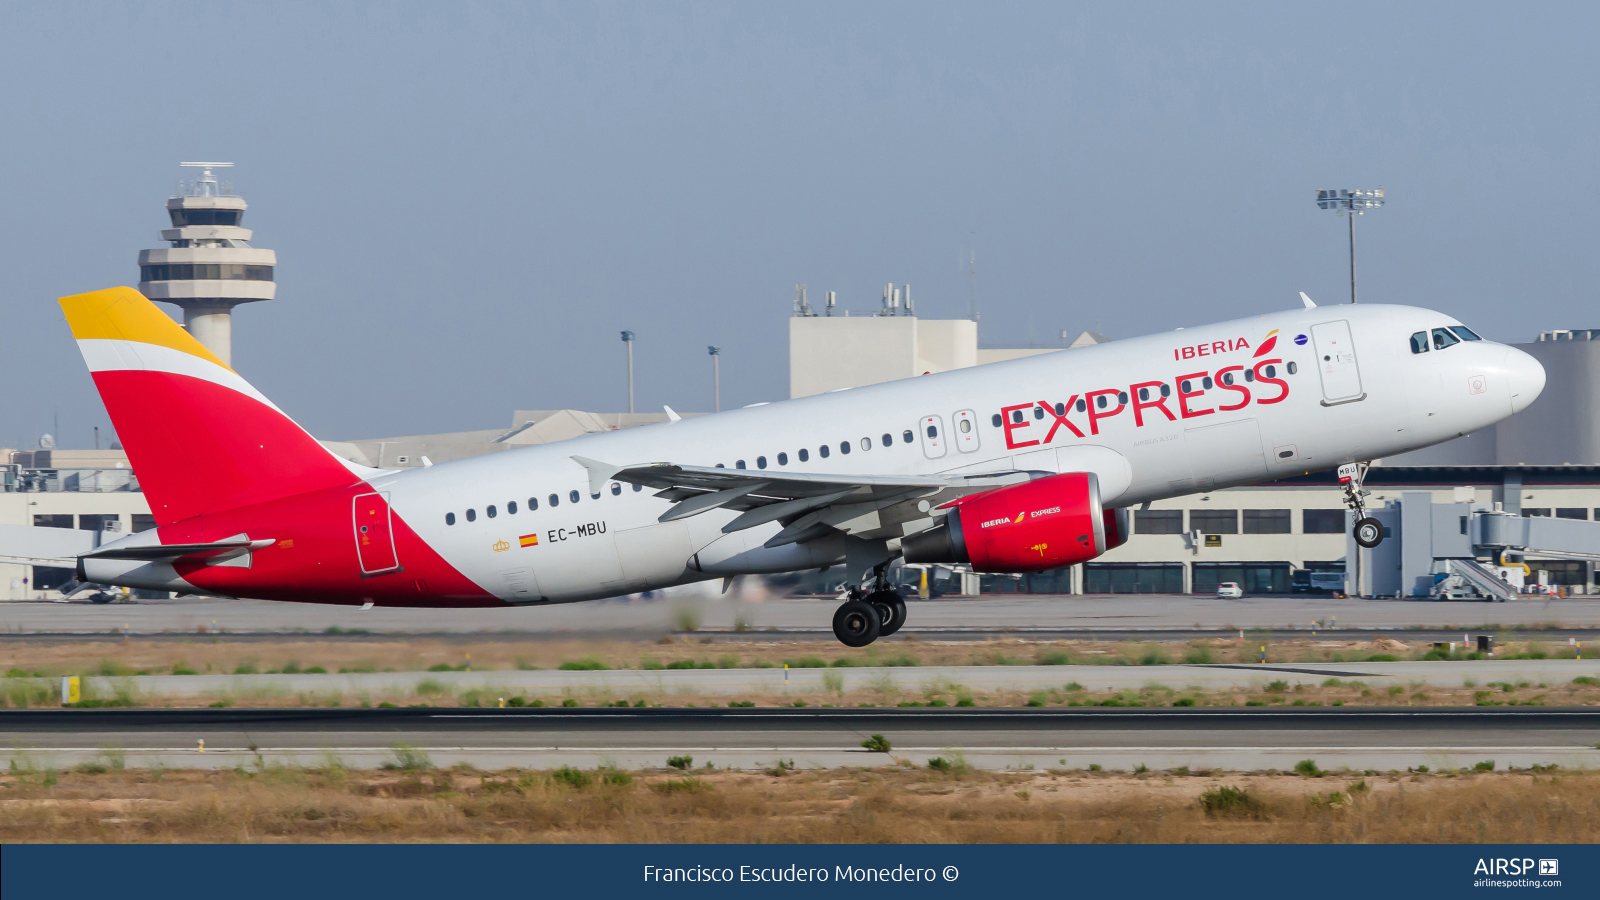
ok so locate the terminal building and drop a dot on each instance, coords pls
(1542, 463)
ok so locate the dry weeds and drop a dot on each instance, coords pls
(333, 804)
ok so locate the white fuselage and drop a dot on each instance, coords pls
(1356, 392)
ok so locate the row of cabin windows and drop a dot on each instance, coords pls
(533, 503)
(804, 455)
(1442, 338)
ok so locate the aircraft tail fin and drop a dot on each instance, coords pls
(199, 437)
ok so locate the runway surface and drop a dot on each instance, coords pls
(1235, 739)
(811, 683)
(633, 619)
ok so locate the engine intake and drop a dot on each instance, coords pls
(1043, 524)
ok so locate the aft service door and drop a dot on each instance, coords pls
(933, 438)
(1336, 360)
(374, 537)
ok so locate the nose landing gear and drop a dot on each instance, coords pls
(868, 615)
(1368, 530)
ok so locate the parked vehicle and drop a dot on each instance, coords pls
(1230, 590)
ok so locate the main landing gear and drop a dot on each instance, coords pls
(1368, 531)
(867, 615)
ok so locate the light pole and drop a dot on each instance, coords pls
(627, 339)
(1351, 203)
(716, 377)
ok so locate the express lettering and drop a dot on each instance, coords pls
(587, 529)
(1151, 396)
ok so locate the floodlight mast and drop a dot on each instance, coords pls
(1352, 203)
(627, 340)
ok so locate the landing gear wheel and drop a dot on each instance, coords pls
(856, 624)
(891, 609)
(99, 597)
(1369, 532)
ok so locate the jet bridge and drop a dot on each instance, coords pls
(1462, 550)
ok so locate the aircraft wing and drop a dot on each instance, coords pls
(808, 505)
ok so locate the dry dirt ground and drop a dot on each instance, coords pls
(102, 803)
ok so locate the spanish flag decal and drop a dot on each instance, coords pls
(529, 540)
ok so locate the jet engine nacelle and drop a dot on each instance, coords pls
(1043, 524)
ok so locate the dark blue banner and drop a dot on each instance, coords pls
(435, 872)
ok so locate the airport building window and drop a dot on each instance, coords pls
(1536, 511)
(1442, 338)
(53, 521)
(1214, 521)
(572, 496)
(450, 518)
(761, 462)
(206, 271)
(511, 508)
(1266, 521)
(616, 489)
(555, 500)
(783, 459)
(844, 447)
(995, 420)
(146, 521)
(1465, 333)
(472, 515)
(1133, 578)
(182, 217)
(491, 511)
(1571, 512)
(1419, 342)
(533, 503)
(1255, 578)
(1158, 521)
(1322, 521)
(805, 455)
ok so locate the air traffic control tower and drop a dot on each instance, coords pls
(210, 267)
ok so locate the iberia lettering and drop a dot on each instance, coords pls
(1212, 349)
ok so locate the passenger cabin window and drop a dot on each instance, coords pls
(616, 489)
(1442, 338)
(1144, 393)
(573, 496)
(1167, 391)
(1271, 371)
(783, 459)
(491, 511)
(844, 446)
(449, 518)
(866, 443)
(1249, 375)
(472, 515)
(1082, 406)
(1100, 401)
(533, 503)
(1122, 398)
(995, 419)
(1227, 378)
(1016, 417)
(1207, 382)
(1465, 333)
(933, 431)
(738, 464)
(511, 508)
(1419, 342)
(555, 500)
(908, 437)
(1293, 368)
(1038, 412)
(823, 451)
(888, 439)
(804, 454)
(761, 462)
(637, 488)
(966, 426)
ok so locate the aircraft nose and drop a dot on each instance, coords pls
(1526, 376)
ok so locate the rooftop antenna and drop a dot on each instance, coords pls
(206, 186)
(832, 298)
(802, 307)
(972, 284)
(910, 310)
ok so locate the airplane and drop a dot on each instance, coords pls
(1019, 466)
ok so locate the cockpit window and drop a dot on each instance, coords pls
(1419, 342)
(1465, 333)
(1442, 338)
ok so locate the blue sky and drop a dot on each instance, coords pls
(470, 201)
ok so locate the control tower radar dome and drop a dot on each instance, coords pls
(210, 266)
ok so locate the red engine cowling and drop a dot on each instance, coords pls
(1044, 524)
